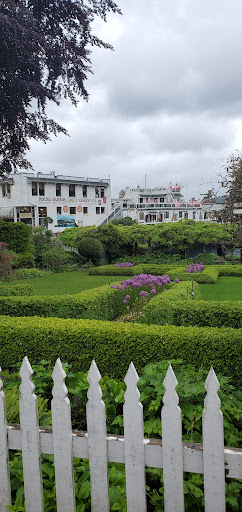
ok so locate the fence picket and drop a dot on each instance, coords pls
(62, 441)
(134, 444)
(29, 422)
(213, 447)
(5, 490)
(172, 446)
(97, 442)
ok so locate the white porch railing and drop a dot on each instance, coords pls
(175, 457)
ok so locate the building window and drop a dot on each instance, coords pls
(97, 210)
(205, 215)
(72, 191)
(58, 190)
(141, 216)
(6, 190)
(161, 199)
(84, 191)
(85, 209)
(72, 210)
(180, 215)
(186, 215)
(96, 192)
(102, 210)
(194, 215)
(34, 188)
(42, 216)
(141, 200)
(59, 210)
(102, 191)
(167, 215)
(41, 189)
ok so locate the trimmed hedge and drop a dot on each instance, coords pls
(112, 270)
(209, 275)
(113, 345)
(17, 289)
(230, 270)
(103, 303)
(197, 313)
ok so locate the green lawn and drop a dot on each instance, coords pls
(226, 288)
(68, 282)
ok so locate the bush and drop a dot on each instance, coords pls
(31, 273)
(102, 303)
(209, 275)
(24, 260)
(17, 289)
(111, 270)
(90, 248)
(16, 235)
(232, 270)
(113, 345)
(206, 258)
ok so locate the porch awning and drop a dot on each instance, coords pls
(6, 212)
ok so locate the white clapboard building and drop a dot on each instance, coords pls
(54, 201)
(156, 205)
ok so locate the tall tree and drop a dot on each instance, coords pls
(45, 48)
(231, 180)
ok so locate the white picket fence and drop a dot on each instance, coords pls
(170, 453)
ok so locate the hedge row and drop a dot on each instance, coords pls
(17, 289)
(181, 305)
(230, 270)
(114, 345)
(144, 268)
(103, 303)
(197, 313)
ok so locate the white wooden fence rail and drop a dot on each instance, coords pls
(175, 457)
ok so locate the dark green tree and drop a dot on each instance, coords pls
(44, 56)
(90, 248)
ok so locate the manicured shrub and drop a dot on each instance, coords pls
(17, 289)
(90, 248)
(113, 345)
(233, 270)
(112, 270)
(103, 303)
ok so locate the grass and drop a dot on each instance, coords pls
(226, 288)
(68, 282)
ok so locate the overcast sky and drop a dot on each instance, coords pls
(167, 103)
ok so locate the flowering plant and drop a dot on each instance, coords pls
(195, 267)
(127, 264)
(141, 287)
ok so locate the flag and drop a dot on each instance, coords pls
(170, 184)
(177, 203)
(104, 199)
(198, 202)
(149, 199)
(191, 201)
(179, 186)
(156, 200)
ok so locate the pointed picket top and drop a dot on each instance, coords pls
(131, 379)
(58, 376)
(170, 382)
(26, 372)
(212, 386)
(94, 377)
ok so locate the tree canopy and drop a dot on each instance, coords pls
(45, 48)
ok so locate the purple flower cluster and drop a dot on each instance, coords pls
(195, 267)
(148, 281)
(128, 264)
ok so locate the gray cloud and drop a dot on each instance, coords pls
(166, 103)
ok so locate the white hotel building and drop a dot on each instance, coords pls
(66, 200)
